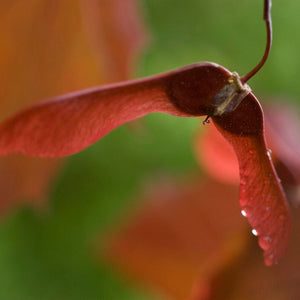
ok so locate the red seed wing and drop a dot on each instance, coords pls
(261, 196)
(67, 124)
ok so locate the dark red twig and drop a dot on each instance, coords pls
(268, 20)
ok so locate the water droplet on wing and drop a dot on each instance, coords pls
(254, 232)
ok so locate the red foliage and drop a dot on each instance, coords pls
(25, 180)
(181, 236)
(216, 155)
(116, 33)
(282, 130)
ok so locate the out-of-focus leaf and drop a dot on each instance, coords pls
(216, 155)
(261, 196)
(282, 133)
(44, 51)
(181, 236)
(116, 31)
(25, 179)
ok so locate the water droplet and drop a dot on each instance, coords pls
(269, 152)
(243, 212)
(251, 151)
(254, 232)
(267, 208)
(265, 242)
(246, 211)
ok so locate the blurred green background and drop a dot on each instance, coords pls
(51, 254)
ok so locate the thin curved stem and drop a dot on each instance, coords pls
(268, 20)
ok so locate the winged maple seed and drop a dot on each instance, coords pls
(70, 123)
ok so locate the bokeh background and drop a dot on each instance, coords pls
(56, 225)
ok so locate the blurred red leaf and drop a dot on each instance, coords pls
(181, 236)
(216, 155)
(261, 197)
(25, 180)
(50, 48)
(282, 132)
(116, 30)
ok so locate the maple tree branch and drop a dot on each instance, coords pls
(268, 20)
